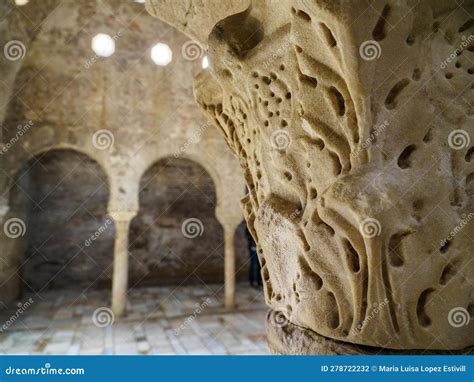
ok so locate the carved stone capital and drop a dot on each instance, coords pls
(353, 123)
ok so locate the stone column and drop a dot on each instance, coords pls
(120, 273)
(229, 272)
(353, 129)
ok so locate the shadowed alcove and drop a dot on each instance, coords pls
(176, 237)
(68, 244)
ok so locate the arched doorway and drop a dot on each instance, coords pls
(176, 238)
(62, 196)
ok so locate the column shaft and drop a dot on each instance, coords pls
(229, 234)
(120, 268)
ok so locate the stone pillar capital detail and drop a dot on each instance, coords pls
(342, 115)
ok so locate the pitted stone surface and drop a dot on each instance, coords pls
(353, 125)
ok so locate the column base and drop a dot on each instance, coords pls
(290, 339)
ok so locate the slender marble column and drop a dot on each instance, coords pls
(229, 238)
(120, 276)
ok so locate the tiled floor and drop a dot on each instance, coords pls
(160, 320)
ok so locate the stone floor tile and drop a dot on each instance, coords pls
(160, 320)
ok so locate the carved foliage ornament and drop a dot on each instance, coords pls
(353, 123)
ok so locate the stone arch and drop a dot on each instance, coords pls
(199, 159)
(61, 173)
(229, 226)
(176, 231)
(15, 163)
